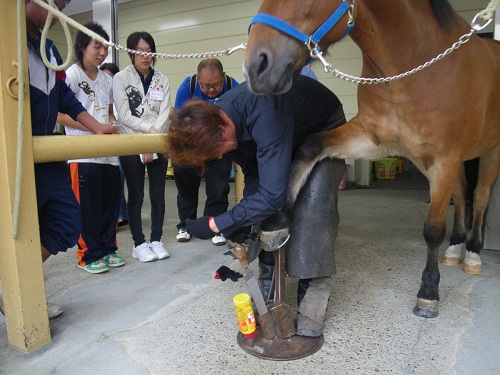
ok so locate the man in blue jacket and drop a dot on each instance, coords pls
(208, 84)
(262, 133)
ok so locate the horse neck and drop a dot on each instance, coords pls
(396, 36)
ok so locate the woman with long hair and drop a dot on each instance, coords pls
(142, 99)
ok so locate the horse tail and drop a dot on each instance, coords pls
(471, 175)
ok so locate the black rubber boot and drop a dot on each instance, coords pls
(266, 271)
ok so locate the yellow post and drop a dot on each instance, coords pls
(21, 269)
(65, 147)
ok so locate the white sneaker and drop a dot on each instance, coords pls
(183, 236)
(159, 249)
(219, 239)
(53, 311)
(144, 253)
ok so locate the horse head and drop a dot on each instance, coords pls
(279, 37)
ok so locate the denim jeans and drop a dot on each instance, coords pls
(217, 189)
(134, 171)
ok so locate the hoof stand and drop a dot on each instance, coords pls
(278, 349)
(426, 308)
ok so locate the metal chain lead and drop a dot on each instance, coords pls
(170, 56)
(313, 49)
(64, 19)
(315, 54)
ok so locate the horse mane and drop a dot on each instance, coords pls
(444, 13)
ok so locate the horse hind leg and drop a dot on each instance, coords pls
(488, 170)
(453, 254)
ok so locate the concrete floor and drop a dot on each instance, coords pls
(173, 317)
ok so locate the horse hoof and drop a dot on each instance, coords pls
(472, 269)
(472, 263)
(426, 308)
(450, 261)
(452, 255)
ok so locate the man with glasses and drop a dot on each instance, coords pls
(208, 84)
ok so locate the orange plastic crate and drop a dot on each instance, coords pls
(385, 169)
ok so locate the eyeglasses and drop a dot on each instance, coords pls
(215, 86)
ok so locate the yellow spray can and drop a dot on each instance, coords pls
(245, 315)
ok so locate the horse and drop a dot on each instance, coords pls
(437, 117)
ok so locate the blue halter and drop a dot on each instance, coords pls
(311, 41)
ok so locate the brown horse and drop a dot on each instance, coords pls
(437, 118)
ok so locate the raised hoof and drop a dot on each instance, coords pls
(472, 269)
(450, 261)
(426, 308)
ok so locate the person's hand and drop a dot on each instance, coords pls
(200, 228)
(147, 158)
(108, 129)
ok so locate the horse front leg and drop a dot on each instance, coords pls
(488, 171)
(442, 179)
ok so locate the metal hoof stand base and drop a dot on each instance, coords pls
(278, 349)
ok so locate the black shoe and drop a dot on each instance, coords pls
(122, 223)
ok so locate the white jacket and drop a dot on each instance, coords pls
(95, 96)
(139, 112)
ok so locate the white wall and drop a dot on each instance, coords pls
(189, 26)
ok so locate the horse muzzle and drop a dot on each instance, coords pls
(268, 68)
